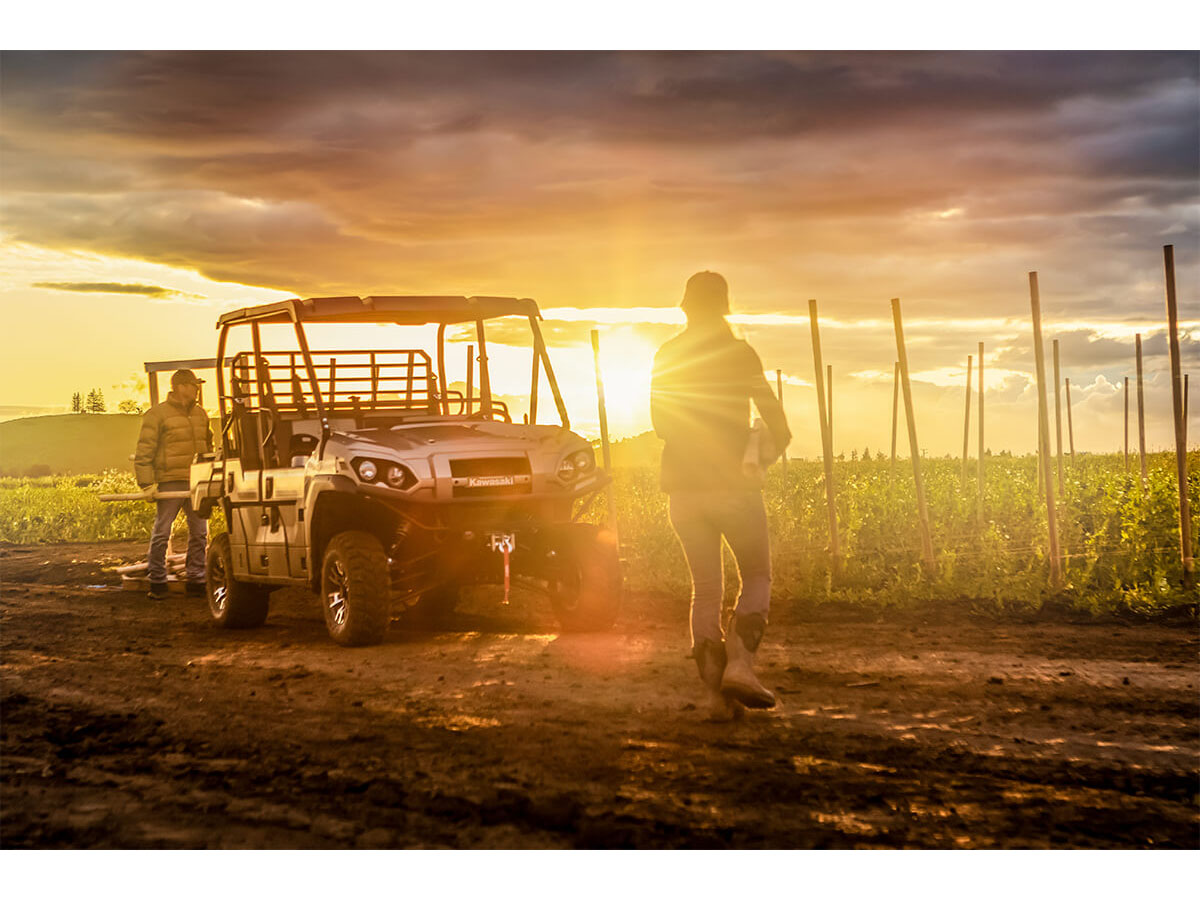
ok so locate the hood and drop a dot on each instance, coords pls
(452, 436)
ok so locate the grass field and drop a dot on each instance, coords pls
(1120, 542)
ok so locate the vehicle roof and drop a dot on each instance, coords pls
(398, 310)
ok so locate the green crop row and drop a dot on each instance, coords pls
(1120, 540)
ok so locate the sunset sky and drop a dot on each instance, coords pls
(145, 193)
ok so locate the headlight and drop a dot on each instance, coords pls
(566, 468)
(397, 476)
(584, 460)
(367, 470)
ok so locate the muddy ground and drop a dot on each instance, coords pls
(133, 723)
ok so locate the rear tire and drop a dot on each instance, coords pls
(355, 589)
(585, 579)
(233, 603)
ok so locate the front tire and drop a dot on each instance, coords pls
(233, 603)
(585, 580)
(355, 589)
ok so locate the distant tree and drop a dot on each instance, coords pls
(853, 456)
(95, 401)
(77, 402)
(866, 454)
(130, 407)
(879, 456)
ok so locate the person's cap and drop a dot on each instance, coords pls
(706, 292)
(185, 376)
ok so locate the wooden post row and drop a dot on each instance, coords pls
(1126, 424)
(1185, 515)
(979, 511)
(779, 392)
(605, 449)
(966, 424)
(1058, 418)
(1044, 431)
(826, 437)
(922, 510)
(1070, 423)
(1141, 407)
(829, 405)
(895, 411)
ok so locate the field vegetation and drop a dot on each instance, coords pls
(1120, 541)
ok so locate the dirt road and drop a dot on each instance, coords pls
(130, 723)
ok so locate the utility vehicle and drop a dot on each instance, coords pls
(370, 478)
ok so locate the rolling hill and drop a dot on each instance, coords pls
(70, 444)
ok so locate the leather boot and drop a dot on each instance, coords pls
(738, 681)
(710, 661)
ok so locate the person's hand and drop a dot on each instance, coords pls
(146, 488)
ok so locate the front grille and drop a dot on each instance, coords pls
(490, 465)
(494, 490)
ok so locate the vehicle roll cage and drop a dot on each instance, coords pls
(417, 389)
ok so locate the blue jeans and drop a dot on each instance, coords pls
(700, 519)
(160, 537)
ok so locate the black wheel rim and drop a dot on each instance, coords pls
(218, 585)
(337, 593)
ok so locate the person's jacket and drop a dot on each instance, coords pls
(172, 434)
(700, 393)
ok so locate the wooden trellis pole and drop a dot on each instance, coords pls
(829, 406)
(826, 438)
(1041, 474)
(1141, 408)
(1185, 513)
(1070, 423)
(980, 501)
(1058, 417)
(922, 510)
(779, 393)
(1126, 424)
(1185, 408)
(895, 411)
(966, 424)
(1044, 432)
(605, 449)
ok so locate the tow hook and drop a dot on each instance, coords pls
(504, 543)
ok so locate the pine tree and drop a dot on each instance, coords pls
(95, 401)
(77, 402)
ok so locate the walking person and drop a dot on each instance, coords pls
(701, 388)
(173, 432)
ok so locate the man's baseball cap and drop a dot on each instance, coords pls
(706, 293)
(185, 376)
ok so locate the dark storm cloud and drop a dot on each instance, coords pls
(720, 96)
(351, 172)
(96, 287)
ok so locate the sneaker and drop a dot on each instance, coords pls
(158, 590)
(195, 589)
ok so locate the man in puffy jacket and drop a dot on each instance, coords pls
(173, 432)
(703, 383)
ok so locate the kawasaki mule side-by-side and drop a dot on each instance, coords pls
(364, 476)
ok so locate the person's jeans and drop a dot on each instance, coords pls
(700, 518)
(160, 537)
